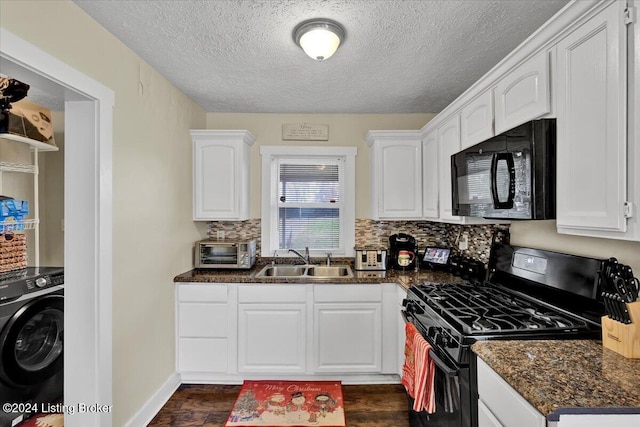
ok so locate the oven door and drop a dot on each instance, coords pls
(456, 403)
(218, 256)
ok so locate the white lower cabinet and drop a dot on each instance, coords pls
(347, 337)
(272, 331)
(500, 405)
(271, 338)
(401, 294)
(347, 332)
(485, 417)
(227, 333)
(202, 318)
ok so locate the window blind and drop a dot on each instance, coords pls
(310, 203)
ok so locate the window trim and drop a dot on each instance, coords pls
(270, 193)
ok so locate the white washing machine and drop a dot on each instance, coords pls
(31, 341)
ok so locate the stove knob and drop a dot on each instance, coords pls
(441, 340)
(41, 282)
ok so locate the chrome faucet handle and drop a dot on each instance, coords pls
(328, 258)
(303, 257)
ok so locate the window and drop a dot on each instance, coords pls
(308, 200)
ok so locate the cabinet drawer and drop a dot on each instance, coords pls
(272, 293)
(202, 292)
(202, 355)
(347, 293)
(202, 320)
(508, 407)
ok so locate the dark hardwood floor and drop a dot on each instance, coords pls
(209, 406)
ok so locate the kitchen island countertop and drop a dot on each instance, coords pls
(560, 375)
(405, 279)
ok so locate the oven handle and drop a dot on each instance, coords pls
(441, 364)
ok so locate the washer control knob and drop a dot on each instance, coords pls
(41, 282)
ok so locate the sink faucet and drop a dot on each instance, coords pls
(328, 258)
(304, 257)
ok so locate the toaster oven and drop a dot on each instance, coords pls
(225, 254)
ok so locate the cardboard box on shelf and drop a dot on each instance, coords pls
(28, 119)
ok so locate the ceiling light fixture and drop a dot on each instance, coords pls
(319, 38)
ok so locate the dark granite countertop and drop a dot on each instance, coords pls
(558, 376)
(403, 278)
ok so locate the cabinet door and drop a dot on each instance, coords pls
(503, 402)
(216, 184)
(485, 417)
(347, 338)
(476, 120)
(400, 325)
(448, 144)
(430, 179)
(591, 147)
(523, 94)
(221, 173)
(396, 174)
(271, 338)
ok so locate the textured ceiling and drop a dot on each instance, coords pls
(398, 56)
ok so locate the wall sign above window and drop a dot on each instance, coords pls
(305, 132)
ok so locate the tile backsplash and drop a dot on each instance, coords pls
(375, 233)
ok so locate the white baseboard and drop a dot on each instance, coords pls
(155, 403)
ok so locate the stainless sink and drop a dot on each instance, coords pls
(282, 271)
(329, 271)
(306, 271)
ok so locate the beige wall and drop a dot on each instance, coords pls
(153, 229)
(344, 130)
(51, 189)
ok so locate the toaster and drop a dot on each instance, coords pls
(370, 259)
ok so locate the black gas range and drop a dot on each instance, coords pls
(529, 294)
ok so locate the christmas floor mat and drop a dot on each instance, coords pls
(44, 420)
(288, 403)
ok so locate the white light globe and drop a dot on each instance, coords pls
(320, 43)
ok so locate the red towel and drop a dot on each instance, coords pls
(418, 370)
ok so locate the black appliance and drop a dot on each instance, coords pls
(510, 176)
(530, 294)
(31, 340)
(403, 251)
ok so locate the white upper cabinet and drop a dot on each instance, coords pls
(448, 144)
(221, 174)
(523, 93)
(592, 120)
(430, 186)
(476, 120)
(396, 174)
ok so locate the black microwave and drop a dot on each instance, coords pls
(510, 176)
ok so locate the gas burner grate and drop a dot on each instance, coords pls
(487, 309)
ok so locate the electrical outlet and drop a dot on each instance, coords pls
(220, 234)
(463, 244)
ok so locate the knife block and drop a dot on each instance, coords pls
(621, 338)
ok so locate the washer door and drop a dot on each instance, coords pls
(31, 342)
